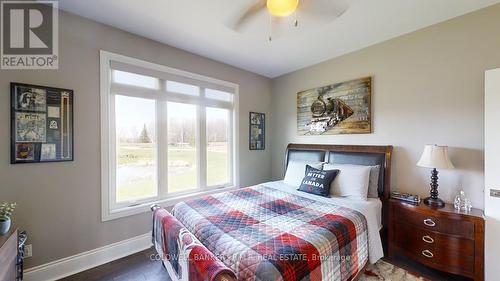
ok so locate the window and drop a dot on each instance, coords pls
(217, 146)
(136, 165)
(182, 88)
(166, 135)
(218, 95)
(182, 152)
(133, 79)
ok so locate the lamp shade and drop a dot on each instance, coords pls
(435, 156)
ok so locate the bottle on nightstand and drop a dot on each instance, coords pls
(462, 203)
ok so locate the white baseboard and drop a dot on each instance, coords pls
(71, 265)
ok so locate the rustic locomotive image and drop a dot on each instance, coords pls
(342, 108)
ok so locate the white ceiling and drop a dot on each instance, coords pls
(200, 26)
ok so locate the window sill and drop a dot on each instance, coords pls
(108, 215)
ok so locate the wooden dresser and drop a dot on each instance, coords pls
(442, 239)
(8, 255)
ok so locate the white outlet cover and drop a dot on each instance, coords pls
(28, 251)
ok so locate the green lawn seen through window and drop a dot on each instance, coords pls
(182, 165)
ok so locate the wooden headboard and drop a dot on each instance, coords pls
(347, 154)
(351, 154)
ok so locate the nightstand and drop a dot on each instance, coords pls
(8, 255)
(442, 239)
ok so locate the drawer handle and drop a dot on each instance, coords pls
(428, 254)
(429, 222)
(428, 239)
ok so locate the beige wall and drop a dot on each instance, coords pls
(59, 203)
(427, 88)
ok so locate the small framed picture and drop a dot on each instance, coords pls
(41, 124)
(257, 131)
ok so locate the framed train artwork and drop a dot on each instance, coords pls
(341, 108)
(41, 124)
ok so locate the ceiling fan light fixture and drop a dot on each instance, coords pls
(282, 8)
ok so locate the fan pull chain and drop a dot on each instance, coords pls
(270, 28)
(296, 21)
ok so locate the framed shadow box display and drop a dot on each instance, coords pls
(41, 124)
(257, 137)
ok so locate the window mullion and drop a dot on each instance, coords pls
(112, 151)
(162, 143)
(229, 134)
(201, 143)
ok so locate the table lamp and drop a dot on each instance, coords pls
(435, 157)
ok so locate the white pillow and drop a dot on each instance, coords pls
(351, 182)
(296, 171)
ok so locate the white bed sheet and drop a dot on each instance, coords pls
(371, 209)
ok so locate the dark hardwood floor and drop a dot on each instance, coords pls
(137, 267)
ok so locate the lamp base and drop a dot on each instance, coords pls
(434, 202)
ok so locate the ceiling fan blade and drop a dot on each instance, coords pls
(250, 13)
(323, 10)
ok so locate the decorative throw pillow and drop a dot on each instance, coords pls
(318, 181)
(296, 170)
(352, 181)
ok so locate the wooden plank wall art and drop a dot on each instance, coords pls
(41, 124)
(342, 108)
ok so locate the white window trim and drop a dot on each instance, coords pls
(108, 210)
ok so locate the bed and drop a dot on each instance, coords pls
(274, 232)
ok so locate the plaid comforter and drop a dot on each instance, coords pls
(262, 233)
(188, 258)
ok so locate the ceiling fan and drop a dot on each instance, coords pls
(317, 10)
